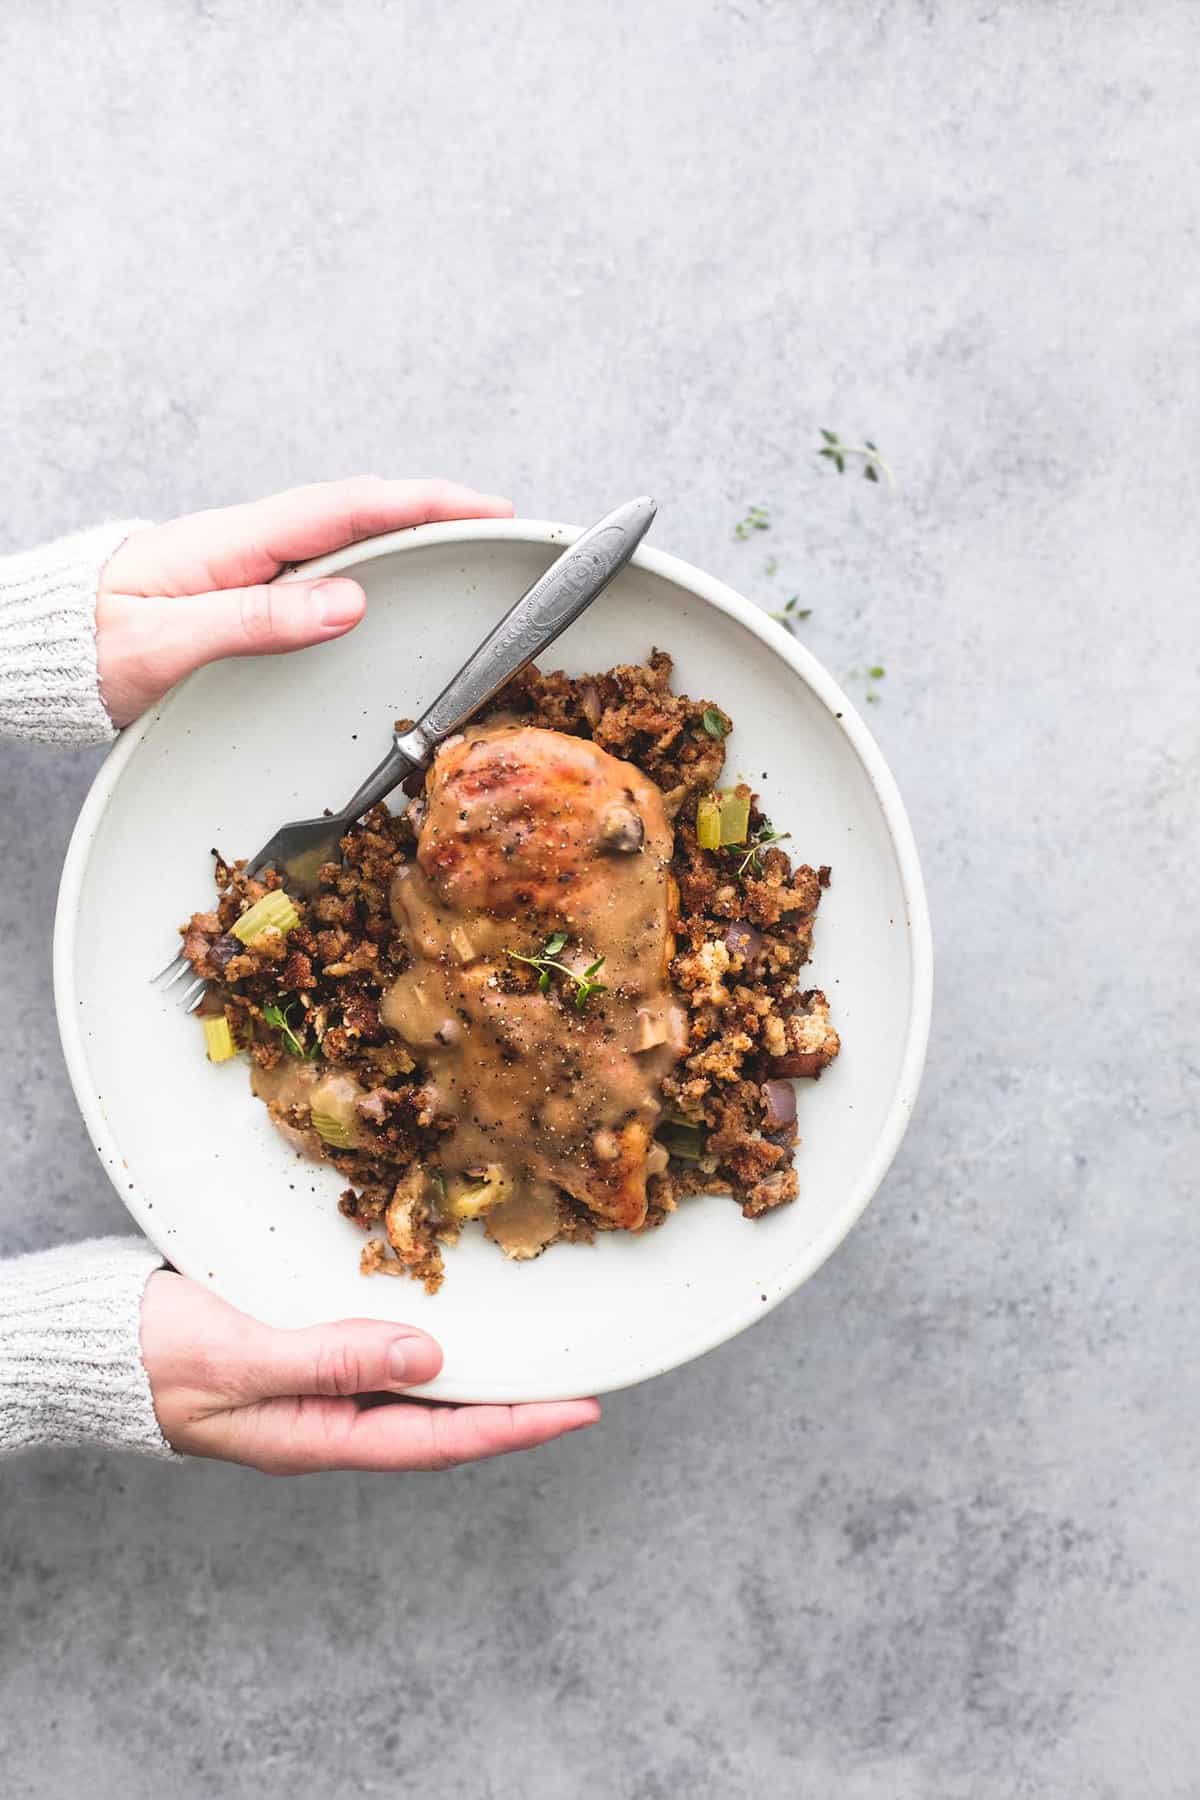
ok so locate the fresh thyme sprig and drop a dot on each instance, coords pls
(757, 519)
(544, 961)
(873, 463)
(763, 835)
(279, 1017)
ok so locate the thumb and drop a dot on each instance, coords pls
(354, 1356)
(145, 644)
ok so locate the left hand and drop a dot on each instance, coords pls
(175, 596)
(292, 1402)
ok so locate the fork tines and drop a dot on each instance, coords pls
(176, 969)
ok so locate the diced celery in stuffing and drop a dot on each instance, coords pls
(218, 1039)
(333, 1131)
(708, 822)
(734, 804)
(274, 912)
(470, 1199)
(681, 1139)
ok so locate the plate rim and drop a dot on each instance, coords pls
(713, 592)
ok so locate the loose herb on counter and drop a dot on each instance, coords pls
(788, 614)
(873, 462)
(757, 519)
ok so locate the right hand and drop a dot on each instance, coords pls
(287, 1402)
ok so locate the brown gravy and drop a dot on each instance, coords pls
(526, 832)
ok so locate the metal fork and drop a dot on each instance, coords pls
(555, 601)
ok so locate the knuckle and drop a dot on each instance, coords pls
(257, 615)
(364, 494)
(444, 1452)
(337, 1371)
(358, 500)
(440, 491)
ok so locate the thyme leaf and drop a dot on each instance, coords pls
(757, 519)
(546, 959)
(759, 839)
(873, 462)
(279, 1017)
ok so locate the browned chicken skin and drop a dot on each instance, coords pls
(521, 819)
(527, 832)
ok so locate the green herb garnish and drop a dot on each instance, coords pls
(757, 519)
(715, 723)
(873, 464)
(279, 1016)
(760, 837)
(545, 960)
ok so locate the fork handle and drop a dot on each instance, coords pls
(555, 601)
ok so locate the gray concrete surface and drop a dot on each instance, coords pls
(930, 1531)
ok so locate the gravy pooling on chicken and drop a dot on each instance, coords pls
(528, 832)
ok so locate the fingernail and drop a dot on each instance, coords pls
(413, 1360)
(338, 602)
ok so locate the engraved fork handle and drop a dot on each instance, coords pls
(554, 601)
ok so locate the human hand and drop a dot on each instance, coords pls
(289, 1402)
(179, 595)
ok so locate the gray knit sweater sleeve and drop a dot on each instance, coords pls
(71, 1368)
(48, 685)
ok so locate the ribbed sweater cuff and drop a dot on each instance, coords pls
(71, 1369)
(49, 687)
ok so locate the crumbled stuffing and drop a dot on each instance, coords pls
(744, 934)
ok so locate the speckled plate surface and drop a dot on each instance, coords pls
(243, 745)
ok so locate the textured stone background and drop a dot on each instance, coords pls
(930, 1531)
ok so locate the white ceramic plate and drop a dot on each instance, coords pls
(243, 745)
